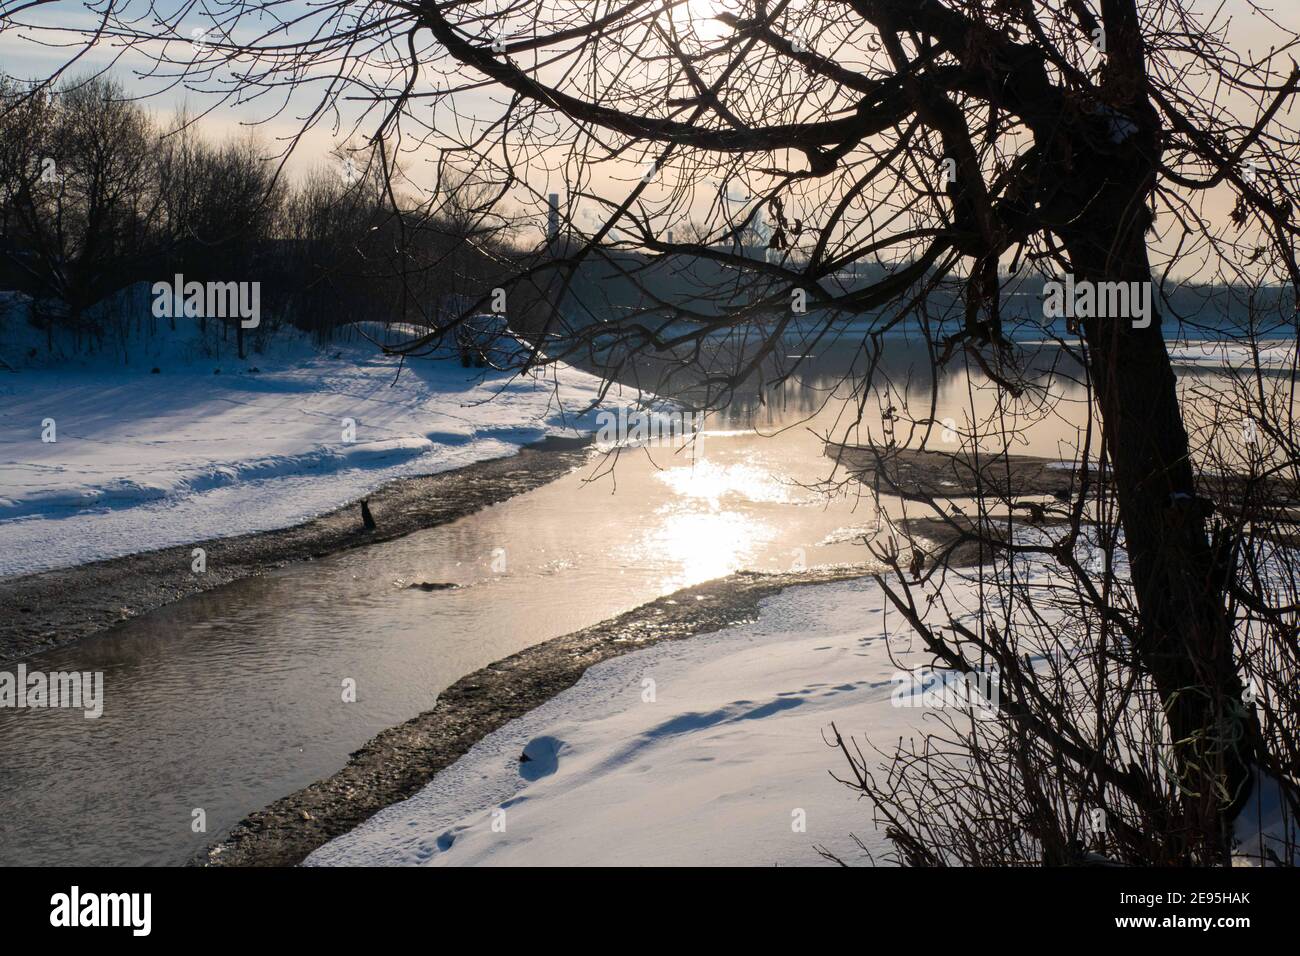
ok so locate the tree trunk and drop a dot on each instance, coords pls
(1178, 581)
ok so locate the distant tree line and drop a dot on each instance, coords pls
(97, 195)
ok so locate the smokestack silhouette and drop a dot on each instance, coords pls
(553, 217)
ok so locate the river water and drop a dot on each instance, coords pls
(227, 700)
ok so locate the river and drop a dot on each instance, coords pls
(225, 701)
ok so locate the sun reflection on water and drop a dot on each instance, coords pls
(713, 482)
(696, 545)
(714, 524)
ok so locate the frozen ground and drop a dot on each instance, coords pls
(144, 461)
(720, 765)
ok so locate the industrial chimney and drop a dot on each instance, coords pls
(553, 218)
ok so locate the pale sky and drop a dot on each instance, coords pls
(23, 56)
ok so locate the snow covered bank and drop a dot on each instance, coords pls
(212, 446)
(1274, 354)
(703, 751)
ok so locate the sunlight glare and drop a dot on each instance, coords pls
(713, 482)
(700, 16)
(699, 546)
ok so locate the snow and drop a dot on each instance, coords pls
(709, 750)
(1274, 354)
(719, 765)
(144, 461)
(1266, 831)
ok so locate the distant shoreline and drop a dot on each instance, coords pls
(52, 609)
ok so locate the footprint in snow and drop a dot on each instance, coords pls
(541, 758)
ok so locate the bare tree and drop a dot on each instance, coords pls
(80, 192)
